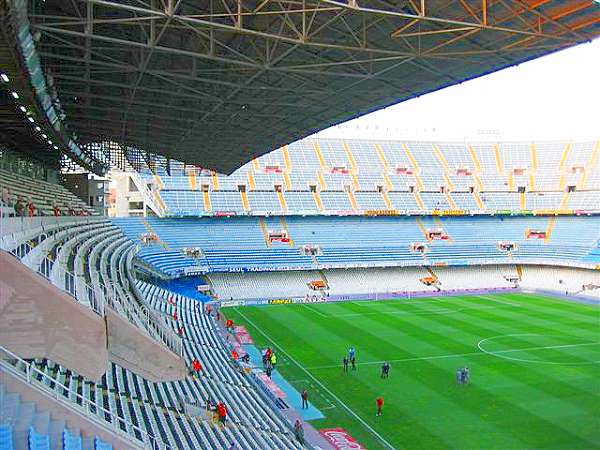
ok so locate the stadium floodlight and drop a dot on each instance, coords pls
(5, 78)
(31, 119)
(55, 147)
(14, 94)
(38, 128)
(22, 108)
(44, 136)
(49, 142)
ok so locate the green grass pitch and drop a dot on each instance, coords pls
(534, 360)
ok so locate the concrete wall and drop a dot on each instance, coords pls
(38, 320)
(137, 351)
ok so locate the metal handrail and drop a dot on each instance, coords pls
(148, 440)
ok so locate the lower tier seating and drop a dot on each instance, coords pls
(340, 282)
(243, 245)
(102, 256)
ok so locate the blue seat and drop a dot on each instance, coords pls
(71, 442)
(6, 437)
(99, 444)
(38, 441)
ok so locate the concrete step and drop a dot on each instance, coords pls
(9, 408)
(56, 434)
(41, 421)
(21, 440)
(25, 416)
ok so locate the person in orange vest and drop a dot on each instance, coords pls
(379, 402)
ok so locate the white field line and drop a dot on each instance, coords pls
(335, 397)
(316, 311)
(460, 355)
(492, 299)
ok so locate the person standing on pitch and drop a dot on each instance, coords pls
(304, 399)
(385, 370)
(345, 361)
(352, 357)
(379, 402)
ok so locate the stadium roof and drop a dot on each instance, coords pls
(218, 82)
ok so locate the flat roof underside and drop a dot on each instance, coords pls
(216, 83)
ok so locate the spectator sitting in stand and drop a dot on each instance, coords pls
(56, 210)
(299, 432)
(20, 207)
(32, 210)
(6, 197)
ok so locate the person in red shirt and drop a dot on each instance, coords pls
(379, 402)
(197, 366)
(229, 323)
(31, 208)
(235, 355)
(175, 315)
(222, 410)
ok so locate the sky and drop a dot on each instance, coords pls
(556, 97)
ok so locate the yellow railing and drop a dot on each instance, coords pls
(215, 180)
(192, 179)
(282, 201)
(353, 201)
(498, 157)
(284, 226)
(419, 200)
(318, 200)
(387, 200)
(263, 227)
(245, 201)
(319, 154)
(287, 159)
(207, 201)
(382, 158)
(350, 157)
(522, 200)
(251, 180)
(474, 157)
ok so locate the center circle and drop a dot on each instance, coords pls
(535, 343)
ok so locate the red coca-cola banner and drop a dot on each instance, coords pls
(340, 439)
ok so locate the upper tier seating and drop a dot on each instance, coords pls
(43, 194)
(495, 172)
(240, 244)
